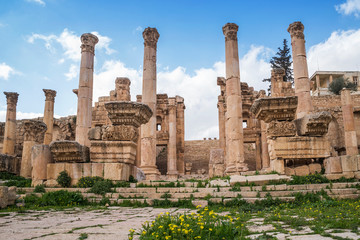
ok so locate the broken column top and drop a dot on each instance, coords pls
(278, 74)
(296, 29)
(230, 31)
(88, 41)
(122, 89)
(151, 37)
(32, 128)
(11, 97)
(49, 94)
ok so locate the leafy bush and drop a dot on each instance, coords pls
(87, 182)
(122, 184)
(309, 179)
(14, 180)
(39, 188)
(64, 179)
(339, 83)
(132, 179)
(57, 198)
(102, 187)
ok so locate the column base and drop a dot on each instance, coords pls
(172, 175)
(151, 172)
(236, 169)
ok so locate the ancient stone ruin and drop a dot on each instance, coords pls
(294, 131)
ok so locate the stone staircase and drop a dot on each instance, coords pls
(216, 194)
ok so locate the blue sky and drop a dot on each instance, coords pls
(40, 47)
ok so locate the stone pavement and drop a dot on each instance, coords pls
(115, 222)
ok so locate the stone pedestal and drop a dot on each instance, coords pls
(216, 163)
(301, 76)
(349, 123)
(171, 161)
(235, 161)
(49, 114)
(85, 90)
(32, 128)
(40, 157)
(10, 124)
(148, 130)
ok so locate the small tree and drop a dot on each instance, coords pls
(282, 59)
(64, 179)
(339, 83)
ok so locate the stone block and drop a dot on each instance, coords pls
(289, 171)
(278, 166)
(87, 170)
(357, 175)
(334, 176)
(116, 171)
(333, 165)
(75, 171)
(220, 183)
(281, 187)
(3, 196)
(201, 203)
(314, 168)
(54, 169)
(97, 169)
(237, 178)
(216, 156)
(11, 195)
(349, 163)
(302, 170)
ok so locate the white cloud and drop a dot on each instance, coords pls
(104, 43)
(349, 7)
(70, 43)
(340, 52)
(22, 115)
(40, 2)
(6, 71)
(47, 39)
(73, 72)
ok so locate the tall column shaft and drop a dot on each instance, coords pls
(49, 114)
(32, 128)
(235, 161)
(351, 144)
(148, 130)
(85, 90)
(221, 112)
(301, 75)
(180, 134)
(264, 147)
(258, 154)
(171, 161)
(10, 124)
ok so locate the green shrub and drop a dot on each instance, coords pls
(18, 183)
(309, 179)
(121, 184)
(64, 180)
(102, 187)
(57, 198)
(339, 83)
(39, 188)
(132, 179)
(87, 182)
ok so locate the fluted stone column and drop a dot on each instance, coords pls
(351, 144)
(235, 161)
(32, 128)
(171, 161)
(148, 130)
(10, 124)
(122, 88)
(301, 75)
(85, 90)
(49, 114)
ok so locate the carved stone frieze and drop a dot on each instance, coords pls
(296, 30)
(281, 129)
(151, 37)
(32, 129)
(120, 133)
(230, 31)
(69, 151)
(314, 124)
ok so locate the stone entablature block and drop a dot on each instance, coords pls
(314, 124)
(69, 151)
(281, 129)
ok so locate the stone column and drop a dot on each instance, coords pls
(221, 112)
(349, 123)
(122, 88)
(301, 76)
(258, 154)
(148, 130)
(235, 161)
(32, 128)
(264, 146)
(49, 114)
(40, 157)
(180, 134)
(317, 77)
(171, 161)
(85, 90)
(10, 124)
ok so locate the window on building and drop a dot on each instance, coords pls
(244, 124)
(158, 127)
(355, 80)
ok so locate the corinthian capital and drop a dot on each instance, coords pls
(49, 95)
(151, 37)
(296, 30)
(230, 31)
(88, 41)
(33, 128)
(11, 98)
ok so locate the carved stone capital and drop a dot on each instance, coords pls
(296, 30)
(120, 133)
(49, 95)
(151, 37)
(33, 128)
(230, 31)
(11, 98)
(281, 129)
(88, 41)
